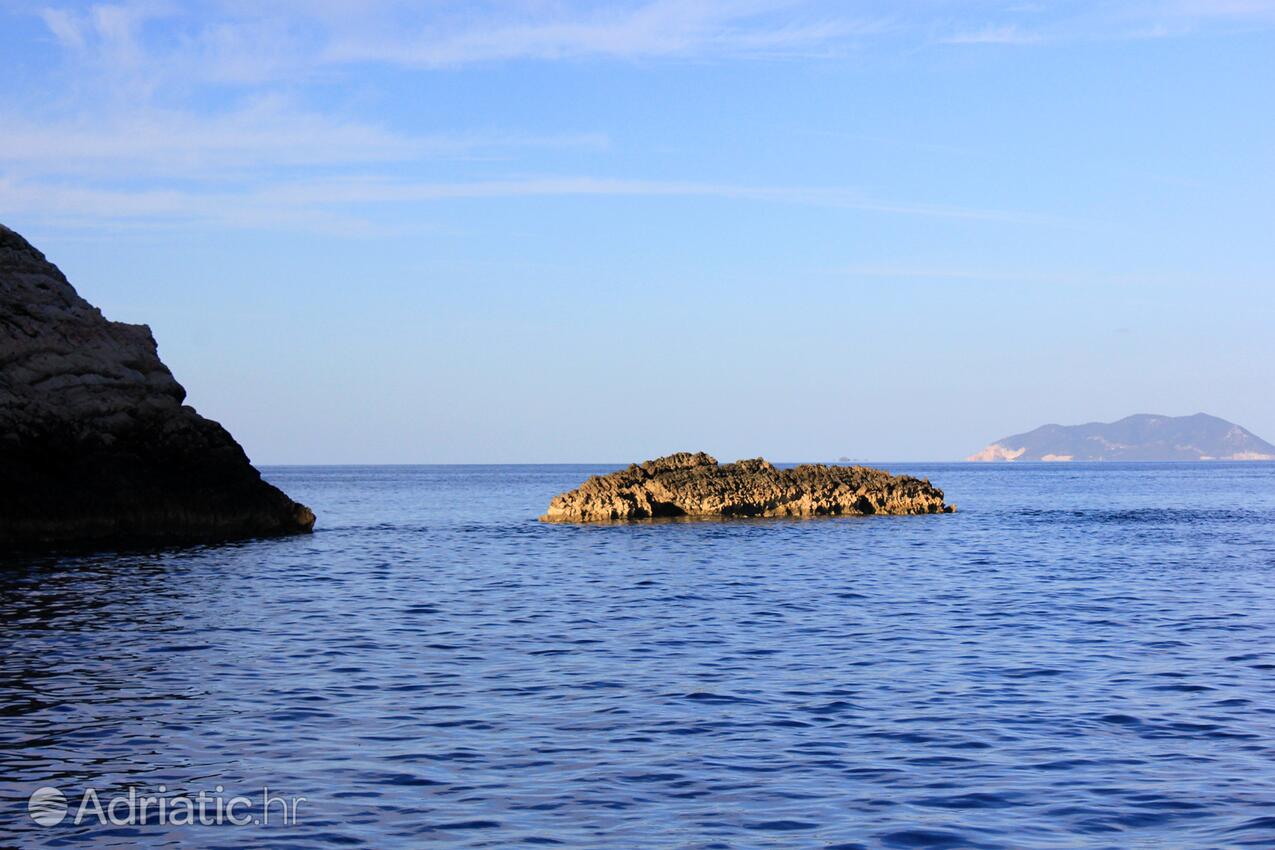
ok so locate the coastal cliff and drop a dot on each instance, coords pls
(96, 446)
(695, 485)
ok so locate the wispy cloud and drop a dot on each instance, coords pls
(1028, 24)
(343, 202)
(143, 140)
(908, 273)
(217, 112)
(65, 27)
(95, 208)
(250, 43)
(265, 134)
(357, 191)
(662, 28)
(952, 273)
(1236, 9)
(1005, 34)
(232, 41)
(111, 30)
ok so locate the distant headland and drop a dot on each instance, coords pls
(1142, 437)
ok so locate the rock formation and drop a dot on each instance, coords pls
(1142, 437)
(694, 485)
(96, 446)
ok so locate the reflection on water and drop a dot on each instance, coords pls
(1083, 657)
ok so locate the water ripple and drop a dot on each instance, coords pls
(1079, 659)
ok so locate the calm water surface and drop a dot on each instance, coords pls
(1082, 657)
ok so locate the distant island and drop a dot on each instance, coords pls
(1142, 437)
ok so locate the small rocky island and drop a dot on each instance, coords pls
(96, 447)
(695, 485)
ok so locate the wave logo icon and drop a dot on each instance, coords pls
(47, 806)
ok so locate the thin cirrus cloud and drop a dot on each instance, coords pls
(952, 273)
(234, 41)
(245, 43)
(1007, 34)
(127, 135)
(65, 26)
(132, 160)
(1030, 24)
(113, 31)
(665, 28)
(265, 136)
(1244, 9)
(331, 204)
(99, 209)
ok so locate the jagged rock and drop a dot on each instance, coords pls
(694, 485)
(96, 446)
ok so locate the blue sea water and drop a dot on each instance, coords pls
(1081, 657)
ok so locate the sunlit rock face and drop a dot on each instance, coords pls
(1143, 437)
(997, 451)
(695, 485)
(96, 446)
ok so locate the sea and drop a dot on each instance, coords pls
(1083, 656)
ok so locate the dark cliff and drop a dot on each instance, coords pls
(96, 446)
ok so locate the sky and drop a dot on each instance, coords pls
(552, 231)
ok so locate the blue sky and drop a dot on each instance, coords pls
(553, 231)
